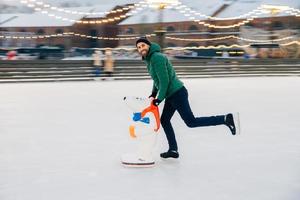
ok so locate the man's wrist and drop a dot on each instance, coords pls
(156, 102)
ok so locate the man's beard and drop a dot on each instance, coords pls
(144, 53)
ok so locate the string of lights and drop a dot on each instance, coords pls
(295, 10)
(147, 35)
(226, 46)
(66, 34)
(243, 22)
(137, 8)
(229, 37)
(296, 42)
(209, 47)
(291, 43)
(48, 6)
(179, 5)
(295, 13)
(262, 9)
(199, 40)
(184, 9)
(142, 4)
(34, 36)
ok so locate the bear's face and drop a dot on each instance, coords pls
(140, 126)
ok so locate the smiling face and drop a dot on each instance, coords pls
(143, 48)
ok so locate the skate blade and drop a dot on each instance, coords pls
(138, 165)
(236, 119)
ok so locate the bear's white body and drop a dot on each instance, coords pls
(144, 130)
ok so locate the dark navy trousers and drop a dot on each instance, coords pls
(179, 102)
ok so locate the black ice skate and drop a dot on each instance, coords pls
(232, 121)
(169, 154)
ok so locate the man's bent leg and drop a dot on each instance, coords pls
(182, 105)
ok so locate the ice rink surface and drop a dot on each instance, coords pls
(63, 141)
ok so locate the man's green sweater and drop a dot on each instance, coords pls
(165, 80)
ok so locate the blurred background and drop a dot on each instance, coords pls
(80, 32)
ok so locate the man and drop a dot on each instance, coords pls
(166, 86)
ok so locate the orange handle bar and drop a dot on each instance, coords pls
(155, 111)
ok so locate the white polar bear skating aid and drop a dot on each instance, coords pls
(143, 127)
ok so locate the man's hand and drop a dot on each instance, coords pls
(152, 96)
(156, 102)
